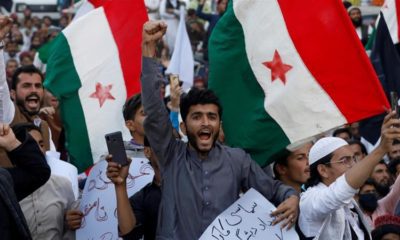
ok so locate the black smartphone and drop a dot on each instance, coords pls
(116, 148)
(394, 102)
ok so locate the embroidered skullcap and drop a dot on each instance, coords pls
(325, 146)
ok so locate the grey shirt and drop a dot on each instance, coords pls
(195, 191)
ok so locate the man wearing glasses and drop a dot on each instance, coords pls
(327, 207)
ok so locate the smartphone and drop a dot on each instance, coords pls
(394, 102)
(116, 148)
(175, 78)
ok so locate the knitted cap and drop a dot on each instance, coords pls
(323, 147)
(384, 225)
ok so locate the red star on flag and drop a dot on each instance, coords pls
(102, 93)
(278, 68)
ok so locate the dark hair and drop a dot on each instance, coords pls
(393, 165)
(362, 146)
(146, 142)
(280, 158)
(347, 4)
(19, 128)
(197, 96)
(131, 106)
(342, 130)
(30, 69)
(191, 12)
(315, 178)
(369, 181)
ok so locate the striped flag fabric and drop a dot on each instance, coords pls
(42, 56)
(95, 68)
(284, 75)
(385, 58)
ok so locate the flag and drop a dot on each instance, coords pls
(45, 51)
(182, 62)
(7, 4)
(95, 67)
(386, 61)
(284, 75)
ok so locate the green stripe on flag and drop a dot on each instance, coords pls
(245, 122)
(63, 81)
(45, 51)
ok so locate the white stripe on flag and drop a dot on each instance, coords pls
(301, 107)
(96, 59)
(389, 12)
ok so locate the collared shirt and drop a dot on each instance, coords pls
(319, 202)
(195, 191)
(44, 209)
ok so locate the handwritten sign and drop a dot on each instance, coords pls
(248, 218)
(99, 204)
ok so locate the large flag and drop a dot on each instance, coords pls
(44, 52)
(95, 68)
(284, 75)
(386, 61)
(182, 62)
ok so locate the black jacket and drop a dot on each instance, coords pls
(30, 173)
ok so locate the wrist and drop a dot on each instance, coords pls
(12, 145)
(149, 50)
(120, 186)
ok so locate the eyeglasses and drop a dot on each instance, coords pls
(346, 160)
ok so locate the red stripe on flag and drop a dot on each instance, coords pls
(329, 46)
(126, 19)
(97, 3)
(397, 5)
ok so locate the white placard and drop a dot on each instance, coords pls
(99, 204)
(248, 218)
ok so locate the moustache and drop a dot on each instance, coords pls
(32, 95)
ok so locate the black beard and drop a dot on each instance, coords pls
(357, 23)
(21, 104)
(382, 189)
(192, 141)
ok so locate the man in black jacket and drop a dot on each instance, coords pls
(30, 172)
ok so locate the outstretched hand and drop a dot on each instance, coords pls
(390, 131)
(287, 212)
(153, 31)
(8, 141)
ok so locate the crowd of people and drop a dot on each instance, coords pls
(330, 188)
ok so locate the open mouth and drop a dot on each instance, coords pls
(32, 101)
(204, 134)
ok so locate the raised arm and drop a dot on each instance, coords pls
(284, 197)
(200, 13)
(118, 174)
(157, 125)
(358, 174)
(31, 169)
(7, 109)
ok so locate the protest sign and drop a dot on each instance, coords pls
(248, 218)
(99, 204)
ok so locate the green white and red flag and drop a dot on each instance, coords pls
(286, 70)
(95, 68)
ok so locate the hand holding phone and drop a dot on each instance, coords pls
(116, 148)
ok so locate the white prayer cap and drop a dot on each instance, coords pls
(325, 146)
